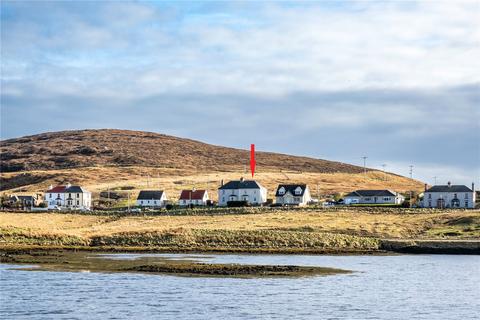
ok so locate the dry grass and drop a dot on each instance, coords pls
(420, 225)
(98, 179)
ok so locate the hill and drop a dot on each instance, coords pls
(73, 149)
(122, 159)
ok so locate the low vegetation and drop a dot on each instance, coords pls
(353, 230)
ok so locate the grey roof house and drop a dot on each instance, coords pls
(374, 197)
(449, 196)
(151, 198)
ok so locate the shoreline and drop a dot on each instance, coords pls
(386, 247)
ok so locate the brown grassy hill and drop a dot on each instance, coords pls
(134, 160)
(72, 149)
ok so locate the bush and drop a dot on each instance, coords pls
(236, 204)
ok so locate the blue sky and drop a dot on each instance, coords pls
(395, 81)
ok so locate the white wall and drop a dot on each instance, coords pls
(153, 202)
(289, 198)
(253, 196)
(430, 199)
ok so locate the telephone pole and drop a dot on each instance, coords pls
(411, 171)
(365, 165)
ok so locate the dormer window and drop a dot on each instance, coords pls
(281, 190)
(298, 190)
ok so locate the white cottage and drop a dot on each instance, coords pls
(374, 197)
(242, 190)
(151, 198)
(293, 194)
(449, 196)
(193, 197)
(68, 197)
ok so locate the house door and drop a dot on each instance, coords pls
(441, 203)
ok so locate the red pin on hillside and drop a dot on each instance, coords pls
(252, 159)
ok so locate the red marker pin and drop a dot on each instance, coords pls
(252, 159)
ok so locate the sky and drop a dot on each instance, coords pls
(396, 81)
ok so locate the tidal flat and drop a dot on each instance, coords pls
(84, 261)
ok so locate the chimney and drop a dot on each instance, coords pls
(425, 187)
(221, 183)
(69, 185)
(473, 187)
(50, 187)
(241, 179)
(449, 184)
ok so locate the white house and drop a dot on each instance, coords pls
(193, 197)
(242, 190)
(151, 198)
(449, 196)
(374, 197)
(293, 194)
(68, 197)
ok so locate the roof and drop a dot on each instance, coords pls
(63, 189)
(57, 189)
(241, 184)
(291, 188)
(75, 189)
(150, 195)
(451, 188)
(26, 198)
(195, 195)
(372, 193)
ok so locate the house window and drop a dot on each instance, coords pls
(223, 199)
(141, 201)
(386, 199)
(155, 202)
(368, 199)
(50, 195)
(455, 196)
(78, 195)
(223, 191)
(58, 195)
(466, 195)
(69, 195)
(430, 203)
(466, 203)
(429, 196)
(78, 203)
(254, 199)
(281, 191)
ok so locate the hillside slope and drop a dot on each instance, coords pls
(132, 160)
(72, 149)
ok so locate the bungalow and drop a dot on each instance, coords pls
(193, 197)
(449, 196)
(68, 197)
(293, 194)
(374, 197)
(151, 198)
(242, 190)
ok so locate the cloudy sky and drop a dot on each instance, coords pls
(398, 82)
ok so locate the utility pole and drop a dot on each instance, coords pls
(384, 172)
(365, 165)
(411, 176)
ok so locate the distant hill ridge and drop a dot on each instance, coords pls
(111, 147)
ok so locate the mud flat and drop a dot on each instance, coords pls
(81, 261)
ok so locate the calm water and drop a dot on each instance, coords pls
(384, 287)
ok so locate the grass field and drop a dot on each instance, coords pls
(357, 229)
